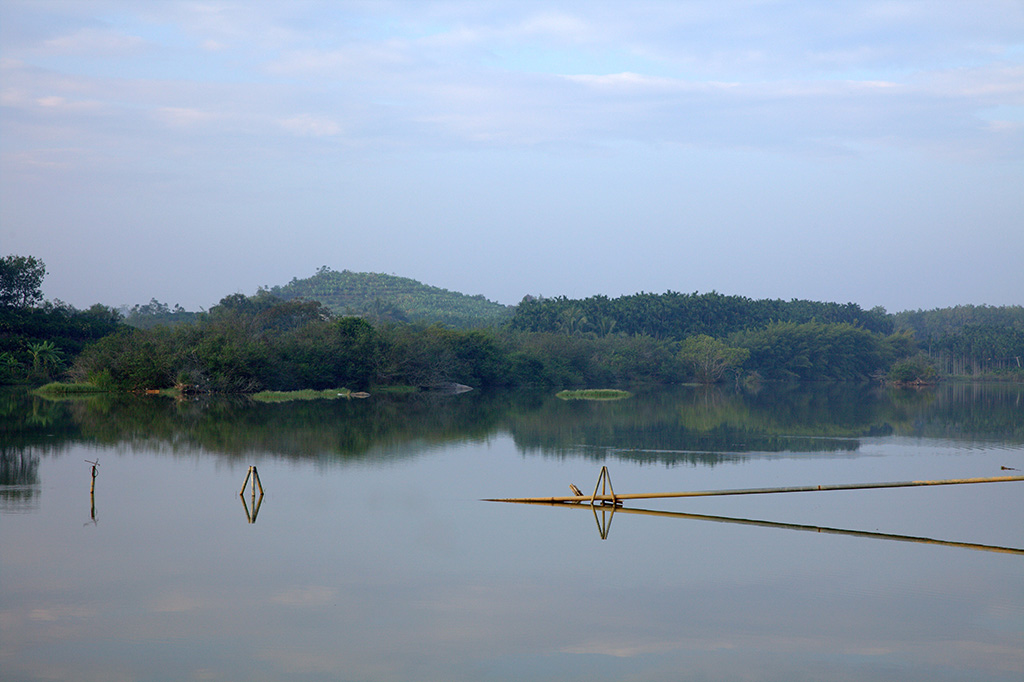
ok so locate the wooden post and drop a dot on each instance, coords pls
(92, 487)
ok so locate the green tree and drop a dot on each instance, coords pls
(710, 358)
(44, 354)
(21, 279)
(916, 369)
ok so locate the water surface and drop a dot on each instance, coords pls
(372, 556)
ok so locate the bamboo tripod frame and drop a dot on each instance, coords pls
(252, 476)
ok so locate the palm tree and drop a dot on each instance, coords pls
(43, 353)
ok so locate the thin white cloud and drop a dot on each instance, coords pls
(994, 81)
(349, 62)
(184, 117)
(93, 42)
(628, 82)
(311, 125)
(560, 26)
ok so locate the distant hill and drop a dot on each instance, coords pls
(381, 297)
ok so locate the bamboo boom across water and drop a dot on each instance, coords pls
(577, 499)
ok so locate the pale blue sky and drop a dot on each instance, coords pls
(846, 151)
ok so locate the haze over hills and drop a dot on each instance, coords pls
(379, 297)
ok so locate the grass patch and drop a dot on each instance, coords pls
(398, 389)
(60, 388)
(594, 394)
(307, 394)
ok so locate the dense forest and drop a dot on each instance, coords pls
(676, 316)
(39, 339)
(270, 341)
(969, 340)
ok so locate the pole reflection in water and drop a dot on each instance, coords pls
(604, 522)
(92, 491)
(607, 511)
(255, 507)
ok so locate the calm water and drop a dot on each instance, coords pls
(372, 556)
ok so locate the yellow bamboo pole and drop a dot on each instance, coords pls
(248, 474)
(615, 497)
(256, 482)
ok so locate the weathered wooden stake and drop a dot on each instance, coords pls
(92, 487)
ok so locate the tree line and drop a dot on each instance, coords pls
(675, 316)
(247, 344)
(265, 342)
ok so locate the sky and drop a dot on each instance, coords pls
(857, 151)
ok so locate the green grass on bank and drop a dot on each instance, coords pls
(594, 394)
(307, 394)
(61, 388)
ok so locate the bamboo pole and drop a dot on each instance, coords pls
(92, 486)
(616, 498)
(256, 482)
(248, 475)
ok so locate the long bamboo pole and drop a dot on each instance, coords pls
(615, 498)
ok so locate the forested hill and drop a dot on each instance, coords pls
(387, 298)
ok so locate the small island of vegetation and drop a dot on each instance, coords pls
(594, 394)
(307, 394)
